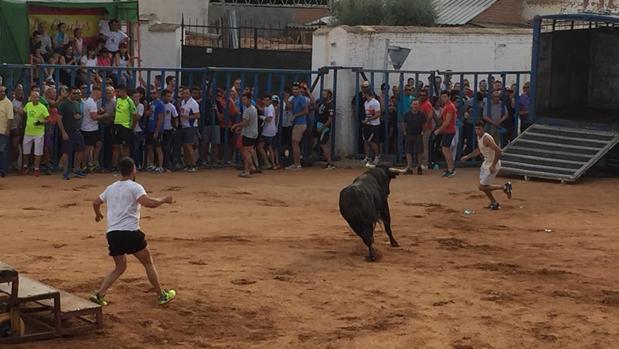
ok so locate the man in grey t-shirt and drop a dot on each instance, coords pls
(249, 130)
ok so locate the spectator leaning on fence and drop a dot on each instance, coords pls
(6, 119)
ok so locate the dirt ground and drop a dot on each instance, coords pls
(269, 263)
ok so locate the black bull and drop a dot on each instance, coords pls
(365, 202)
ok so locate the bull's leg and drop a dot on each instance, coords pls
(386, 217)
(367, 240)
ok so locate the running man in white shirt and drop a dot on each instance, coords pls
(490, 167)
(124, 199)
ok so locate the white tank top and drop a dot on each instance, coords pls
(487, 152)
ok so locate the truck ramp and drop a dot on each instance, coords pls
(556, 153)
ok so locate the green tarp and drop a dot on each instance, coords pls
(14, 33)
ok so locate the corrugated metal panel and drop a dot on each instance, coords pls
(459, 12)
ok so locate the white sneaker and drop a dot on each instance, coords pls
(294, 167)
(424, 167)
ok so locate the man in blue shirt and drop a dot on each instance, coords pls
(300, 110)
(154, 133)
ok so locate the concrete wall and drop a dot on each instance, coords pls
(456, 49)
(160, 47)
(549, 7)
(170, 11)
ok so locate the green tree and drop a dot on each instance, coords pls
(409, 12)
(359, 12)
(384, 12)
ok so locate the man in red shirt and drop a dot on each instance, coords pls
(448, 130)
(426, 108)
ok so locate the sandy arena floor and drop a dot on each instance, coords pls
(269, 263)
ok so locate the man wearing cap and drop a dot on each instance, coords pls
(300, 109)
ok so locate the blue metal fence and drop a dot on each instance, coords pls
(471, 92)
(261, 81)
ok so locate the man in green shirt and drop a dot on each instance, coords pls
(124, 122)
(36, 117)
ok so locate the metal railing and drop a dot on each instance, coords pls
(470, 91)
(209, 80)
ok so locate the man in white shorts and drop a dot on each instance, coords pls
(490, 167)
(34, 134)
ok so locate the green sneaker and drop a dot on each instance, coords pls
(99, 299)
(166, 296)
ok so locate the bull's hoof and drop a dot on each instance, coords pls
(370, 259)
(395, 244)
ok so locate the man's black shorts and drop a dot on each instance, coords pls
(151, 140)
(286, 135)
(91, 138)
(121, 242)
(249, 142)
(371, 133)
(447, 139)
(122, 135)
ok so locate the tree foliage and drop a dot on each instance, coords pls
(384, 12)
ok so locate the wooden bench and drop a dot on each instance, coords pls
(33, 300)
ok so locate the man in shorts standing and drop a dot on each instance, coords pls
(36, 118)
(124, 200)
(448, 132)
(72, 139)
(371, 125)
(124, 122)
(6, 119)
(154, 133)
(326, 114)
(300, 111)
(414, 122)
(490, 167)
(189, 113)
(90, 129)
(249, 130)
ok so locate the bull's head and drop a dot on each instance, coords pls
(391, 172)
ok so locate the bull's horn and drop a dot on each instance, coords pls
(396, 170)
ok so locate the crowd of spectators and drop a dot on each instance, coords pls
(61, 46)
(164, 129)
(168, 128)
(432, 121)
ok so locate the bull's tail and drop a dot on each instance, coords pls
(359, 211)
